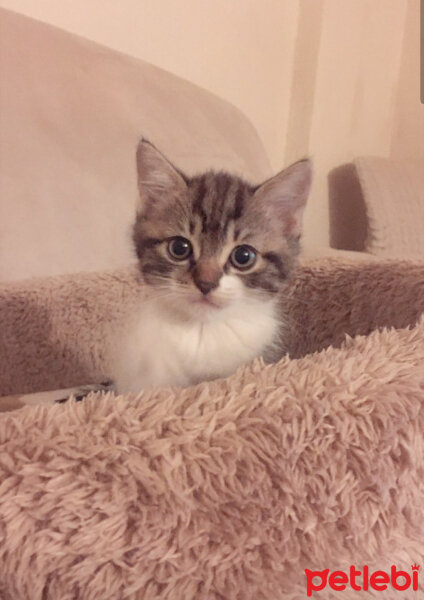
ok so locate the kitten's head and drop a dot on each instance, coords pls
(212, 242)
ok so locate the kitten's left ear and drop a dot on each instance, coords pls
(158, 180)
(284, 196)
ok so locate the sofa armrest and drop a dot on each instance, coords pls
(55, 332)
(330, 298)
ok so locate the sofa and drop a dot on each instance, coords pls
(236, 489)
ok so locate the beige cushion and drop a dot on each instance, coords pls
(60, 332)
(394, 199)
(71, 114)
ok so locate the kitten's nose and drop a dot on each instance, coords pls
(206, 286)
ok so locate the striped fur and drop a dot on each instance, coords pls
(216, 211)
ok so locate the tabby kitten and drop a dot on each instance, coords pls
(214, 251)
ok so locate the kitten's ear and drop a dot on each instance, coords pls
(158, 180)
(284, 196)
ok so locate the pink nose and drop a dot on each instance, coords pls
(206, 286)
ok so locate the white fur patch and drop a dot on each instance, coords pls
(180, 341)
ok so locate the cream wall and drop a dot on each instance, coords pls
(330, 78)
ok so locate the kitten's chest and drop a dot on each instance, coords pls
(161, 351)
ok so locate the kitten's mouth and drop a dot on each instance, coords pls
(206, 302)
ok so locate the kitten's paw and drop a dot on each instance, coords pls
(79, 393)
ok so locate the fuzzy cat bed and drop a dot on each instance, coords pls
(230, 489)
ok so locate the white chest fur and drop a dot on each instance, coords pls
(160, 349)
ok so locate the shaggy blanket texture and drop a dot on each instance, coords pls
(228, 490)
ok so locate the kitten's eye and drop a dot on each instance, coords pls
(243, 257)
(179, 248)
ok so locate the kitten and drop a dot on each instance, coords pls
(214, 252)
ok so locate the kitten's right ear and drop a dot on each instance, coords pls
(158, 180)
(283, 197)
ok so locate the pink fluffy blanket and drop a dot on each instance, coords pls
(231, 490)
